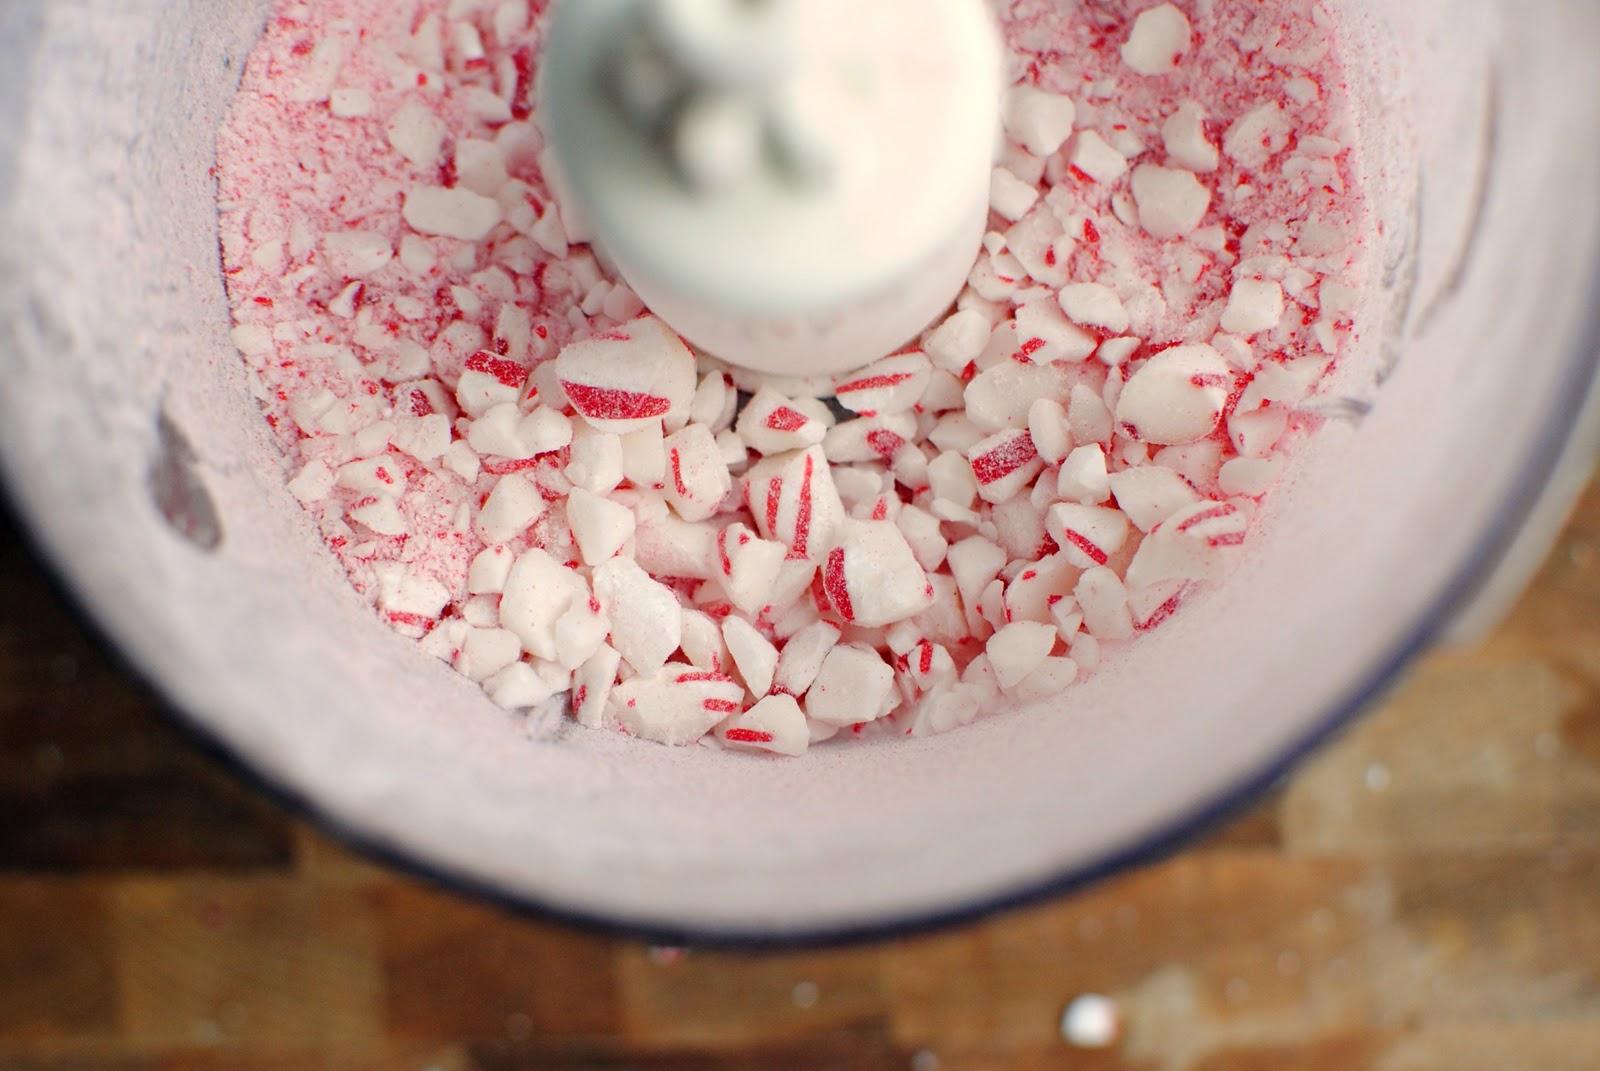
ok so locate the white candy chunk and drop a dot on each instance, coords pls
(943, 394)
(1254, 305)
(1116, 352)
(1038, 120)
(521, 686)
(1171, 202)
(1094, 156)
(644, 456)
(872, 578)
(623, 382)
(753, 654)
(485, 105)
(425, 439)
(1148, 495)
(489, 570)
(1045, 335)
(794, 501)
(958, 341)
(1255, 434)
(482, 611)
(992, 604)
(1158, 42)
(356, 254)
(735, 455)
(1047, 425)
(1104, 602)
(480, 391)
(1085, 650)
(592, 684)
(957, 432)
(417, 134)
(773, 424)
(374, 476)
(675, 704)
(314, 482)
(1093, 305)
(480, 166)
(646, 621)
(711, 398)
(1197, 463)
(462, 460)
(997, 277)
(875, 438)
(497, 432)
(851, 687)
(1249, 476)
(1184, 134)
(951, 481)
(349, 103)
(595, 463)
(1189, 546)
(1018, 649)
(697, 476)
(580, 633)
(451, 213)
(1039, 242)
(974, 563)
(802, 658)
(776, 724)
(1087, 535)
(403, 593)
(538, 591)
(1257, 136)
(1088, 416)
(924, 535)
(1177, 396)
(667, 546)
(1000, 398)
(383, 516)
(417, 255)
(511, 508)
(1153, 604)
(1004, 464)
(702, 642)
(544, 431)
(1010, 196)
(748, 567)
(1019, 525)
(891, 385)
(1083, 477)
(549, 233)
(947, 709)
(1067, 616)
(487, 651)
(601, 527)
(1052, 677)
(929, 667)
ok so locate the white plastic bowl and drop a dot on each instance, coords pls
(131, 447)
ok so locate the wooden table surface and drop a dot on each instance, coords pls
(1425, 896)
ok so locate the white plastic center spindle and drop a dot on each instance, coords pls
(796, 186)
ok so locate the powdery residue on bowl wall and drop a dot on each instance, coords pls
(559, 497)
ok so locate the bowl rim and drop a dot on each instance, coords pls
(1578, 383)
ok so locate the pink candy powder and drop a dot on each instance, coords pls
(1055, 466)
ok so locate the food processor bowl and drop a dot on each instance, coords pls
(134, 452)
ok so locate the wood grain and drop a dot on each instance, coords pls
(1424, 896)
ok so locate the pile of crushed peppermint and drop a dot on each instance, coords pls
(547, 488)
